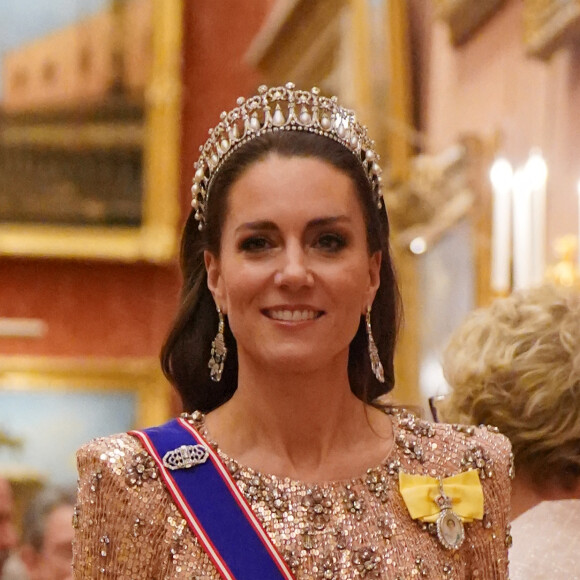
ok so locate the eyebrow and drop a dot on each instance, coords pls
(265, 225)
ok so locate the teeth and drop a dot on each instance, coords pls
(293, 315)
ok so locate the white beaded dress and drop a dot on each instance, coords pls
(547, 542)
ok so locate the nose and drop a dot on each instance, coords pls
(294, 271)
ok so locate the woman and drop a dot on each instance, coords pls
(284, 259)
(516, 365)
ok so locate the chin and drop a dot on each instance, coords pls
(307, 359)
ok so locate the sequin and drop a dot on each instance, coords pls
(128, 526)
(141, 469)
(318, 507)
(477, 457)
(354, 503)
(366, 562)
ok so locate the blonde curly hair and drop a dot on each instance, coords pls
(516, 365)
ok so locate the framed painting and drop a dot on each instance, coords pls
(89, 128)
(50, 407)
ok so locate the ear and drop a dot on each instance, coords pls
(214, 279)
(374, 280)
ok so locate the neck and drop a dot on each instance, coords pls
(526, 495)
(300, 426)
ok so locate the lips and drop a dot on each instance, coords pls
(293, 314)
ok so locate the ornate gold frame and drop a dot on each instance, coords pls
(156, 239)
(140, 375)
(549, 24)
(464, 17)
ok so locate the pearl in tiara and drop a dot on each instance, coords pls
(281, 109)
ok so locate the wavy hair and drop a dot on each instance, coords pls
(516, 365)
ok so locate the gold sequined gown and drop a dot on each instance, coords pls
(127, 526)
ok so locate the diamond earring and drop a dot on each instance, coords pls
(218, 351)
(376, 364)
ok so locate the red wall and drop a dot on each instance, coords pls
(217, 34)
(119, 310)
(91, 309)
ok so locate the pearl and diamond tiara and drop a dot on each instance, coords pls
(281, 109)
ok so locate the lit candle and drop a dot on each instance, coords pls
(522, 224)
(536, 173)
(501, 177)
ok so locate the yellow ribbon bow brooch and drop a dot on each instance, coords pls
(449, 502)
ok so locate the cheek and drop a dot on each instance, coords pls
(241, 285)
(353, 280)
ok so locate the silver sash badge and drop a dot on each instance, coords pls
(185, 456)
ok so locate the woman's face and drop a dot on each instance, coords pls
(294, 273)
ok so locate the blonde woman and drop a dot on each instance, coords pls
(516, 365)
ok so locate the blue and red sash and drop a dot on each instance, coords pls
(213, 506)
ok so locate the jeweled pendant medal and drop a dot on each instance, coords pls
(450, 531)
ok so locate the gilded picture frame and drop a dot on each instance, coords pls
(153, 235)
(51, 406)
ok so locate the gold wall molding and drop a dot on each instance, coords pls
(464, 16)
(298, 41)
(140, 376)
(550, 24)
(440, 191)
(441, 195)
(156, 239)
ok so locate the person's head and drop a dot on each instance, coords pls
(8, 537)
(271, 189)
(516, 365)
(47, 535)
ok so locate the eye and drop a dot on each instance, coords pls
(255, 244)
(331, 242)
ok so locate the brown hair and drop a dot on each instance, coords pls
(186, 351)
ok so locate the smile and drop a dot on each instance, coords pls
(293, 315)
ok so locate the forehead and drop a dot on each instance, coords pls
(295, 185)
